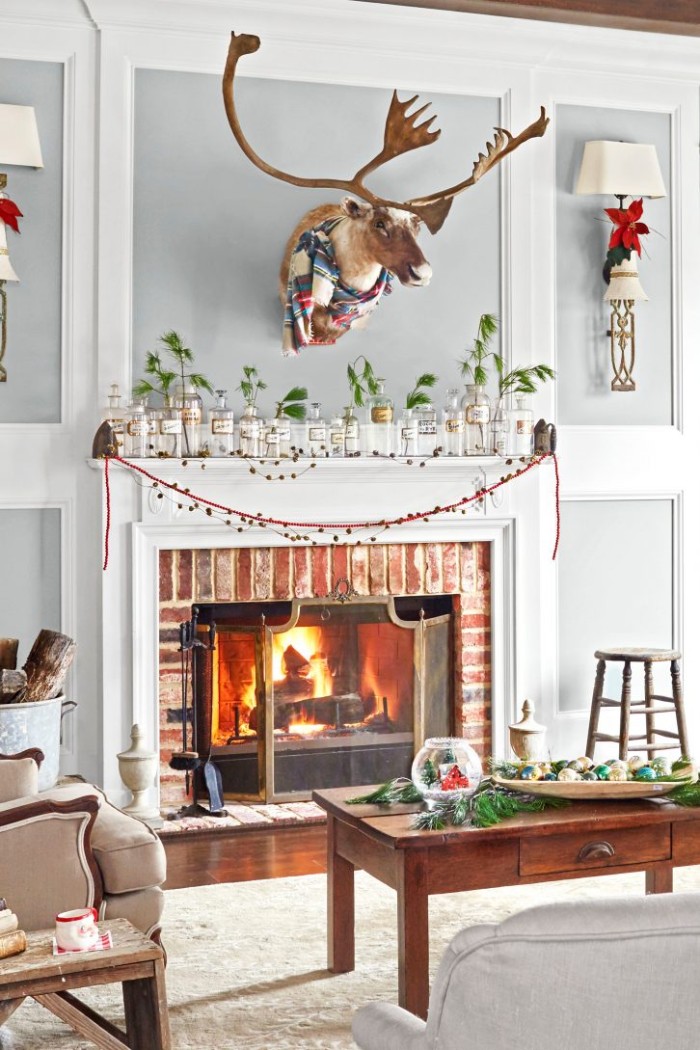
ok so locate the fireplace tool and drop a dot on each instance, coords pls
(188, 759)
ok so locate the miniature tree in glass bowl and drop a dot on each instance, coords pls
(446, 769)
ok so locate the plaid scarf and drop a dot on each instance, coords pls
(314, 279)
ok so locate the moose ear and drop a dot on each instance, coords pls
(355, 209)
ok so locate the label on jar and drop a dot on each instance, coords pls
(171, 426)
(222, 426)
(427, 426)
(250, 429)
(272, 437)
(454, 426)
(352, 431)
(285, 431)
(523, 426)
(408, 433)
(191, 417)
(137, 428)
(382, 414)
(337, 437)
(317, 434)
(117, 425)
(478, 414)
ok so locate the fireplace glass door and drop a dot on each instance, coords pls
(316, 693)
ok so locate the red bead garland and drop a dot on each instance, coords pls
(383, 523)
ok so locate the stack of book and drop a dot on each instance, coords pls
(12, 939)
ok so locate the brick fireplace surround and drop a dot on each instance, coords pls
(282, 573)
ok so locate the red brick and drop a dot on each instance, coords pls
(320, 571)
(414, 568)
(223, 575)
(185, 563)
(396, 561)
(203, 580)
(262, 574)
(476, 657)
(340, 564)
(483, 556)
(476, 636)
(175, 613)
(433, 568)
(282, 573)
(244, 575)
(359, 569)
(476, 675)
(377, 570)
(476, 619)
(165, 576)
(477, 602)
(467, 558)
(450, 567)
(302, 573)
(483, 580)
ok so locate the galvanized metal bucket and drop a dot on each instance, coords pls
(37, 724)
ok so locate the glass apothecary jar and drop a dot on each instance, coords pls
(520, 429)
(250, 431)
(427, 428)
(137, 427)
(316, 432)
(169, 436)
(220, 436)
(337, 436)
(446, 768)
(190, 404)
(477, 419)
(452, 425)
(352, 432)
(408, 433)
(381, 421)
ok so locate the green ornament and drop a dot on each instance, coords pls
(645, 773)
(602, 771)
(589, 775)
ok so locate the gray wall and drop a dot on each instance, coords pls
(615, 588)
(32, 393)
(30, 591)
(583, 231)
(210, 229)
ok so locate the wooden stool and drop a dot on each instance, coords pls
(649, 706)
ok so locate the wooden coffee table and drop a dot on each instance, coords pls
(134, 961)
(586, 838)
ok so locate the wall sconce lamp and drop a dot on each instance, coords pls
(622, 169)
(19, 144)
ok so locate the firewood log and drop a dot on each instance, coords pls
(8, 653)
(12, 684)
(47, 665)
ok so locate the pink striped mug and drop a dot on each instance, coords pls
(76, 929)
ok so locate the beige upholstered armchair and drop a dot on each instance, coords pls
(69, 847)
(565, 976)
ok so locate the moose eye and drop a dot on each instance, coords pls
(380, 225)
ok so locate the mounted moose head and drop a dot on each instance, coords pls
(341, 258)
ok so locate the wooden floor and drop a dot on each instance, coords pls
(201, 860)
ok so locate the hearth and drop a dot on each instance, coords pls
(319, 692)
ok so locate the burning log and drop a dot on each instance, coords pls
(47, 665)
(12, 684)
(8, 653)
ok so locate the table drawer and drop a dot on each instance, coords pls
(603, 849)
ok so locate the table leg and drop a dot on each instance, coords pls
(341, 906)
(659, 880)
(146, 1012)
(413, 933)
(8, 1007)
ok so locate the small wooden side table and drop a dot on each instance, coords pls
(133, 961)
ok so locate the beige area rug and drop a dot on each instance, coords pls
(247, 970)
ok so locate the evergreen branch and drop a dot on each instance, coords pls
(686, 794)
(200, 382)
(399, 790)
(361, 384)
(417, 396)
(524, 380)
(430, 820)
(293, 411)
(251, 384)
(473, 363)
(143, 388)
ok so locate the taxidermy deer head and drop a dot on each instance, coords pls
(341, 258)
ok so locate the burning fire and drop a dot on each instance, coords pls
(306, 642)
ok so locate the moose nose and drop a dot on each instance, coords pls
(420, 275)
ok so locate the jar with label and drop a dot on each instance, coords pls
(453, 425)
(477, 418)
(220, 437)
(114, 415)
(316, 432)
(277, 438)
(136, 441)
(352, 432)
(190, 404)
(381, 421)
(520, 432)
(427, 428)
(152, 421)
(337, 436)
(408, 433)
(250, 431)
(499, 429)
(169, 436)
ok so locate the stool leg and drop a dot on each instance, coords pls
(625, 709)
(648, 702)
(595, 708)
(677, 690)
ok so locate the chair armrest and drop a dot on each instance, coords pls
(383, 1026)
(46, 859)
(19, 774)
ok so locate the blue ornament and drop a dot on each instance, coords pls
(645, 773)
(530, 773)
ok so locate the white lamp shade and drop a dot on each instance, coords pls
(624, 282)
(19, 136)
(6, 271)
(620, 169)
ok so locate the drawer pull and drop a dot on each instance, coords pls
(592, 850)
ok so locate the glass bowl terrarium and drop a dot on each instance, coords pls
(446, 768)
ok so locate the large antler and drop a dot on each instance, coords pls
(401, 134)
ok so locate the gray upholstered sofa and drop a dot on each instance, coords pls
(69, 847)
(569, 976)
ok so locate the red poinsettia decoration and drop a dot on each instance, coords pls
(627, 227)
(9, 213)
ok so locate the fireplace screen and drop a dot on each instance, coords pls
(321, 693)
